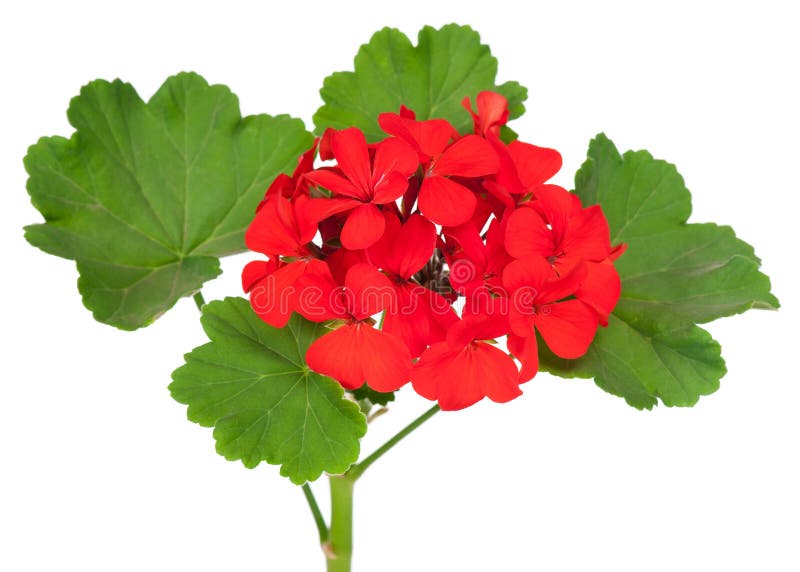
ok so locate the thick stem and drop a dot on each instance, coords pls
(340, 544)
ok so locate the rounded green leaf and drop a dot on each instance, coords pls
(431, 78)
(146, 196)
(251, 383)
(674, 275)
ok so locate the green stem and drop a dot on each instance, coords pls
(339, 550)
(338, 545)
(199, 300)
(316, 513)
(357, 470)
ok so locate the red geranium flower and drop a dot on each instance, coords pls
(365, 182)
(539, 303)
(474, 263)
(355, 352)
(290, 187)
(421, 316)
(492, 112)
(281, 228)
(556, 228)
(544, 265)
(464, 369)
(442, 199)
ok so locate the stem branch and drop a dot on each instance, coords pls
(199, 300)
(319, 520)
(356, 470)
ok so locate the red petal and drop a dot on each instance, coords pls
(556, 205)
(386, 360)
(414, 246)
(531, 273)
(318, 295)
(496, 372)
(390, 188)
(363, 228)
(526, 350)
(282, 185)
(466, 242)
(421, 317)
(600, 289)
(567, 327)
(520, 319)
(275, 297)
(535, 165)
(470, 156)
(371, 291)
(313, 211)
(527, 234)
(341, 260)
(429, 137)
(500, 192)
(477, 327)
(588, 235)
(350, 149)
(457, 378)
(254, 272)
(445, 202)
(382, 253)
(305, 216)
(335, 183)
(440, 375)
(274, 229)
(617, 251)
(498, 257)
(492, 110)
(339, 354)
(356, 353)
(325, 150)
(406, 112)
(393, 156)
(557, 288)
(305, 162)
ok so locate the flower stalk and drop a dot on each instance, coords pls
(339, 547)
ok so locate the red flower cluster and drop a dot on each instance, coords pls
(419, 222)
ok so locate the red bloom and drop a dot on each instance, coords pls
(365, 182)
(281, 227)
(442, 199)
(602, 287)
(464, 369)
(421, 316)
(492, 112)
(290, 187)
(539, 304)
(274, 294)
(524, 168)
(368, 243)
(473, 263)
(556, 228)
(355, 352)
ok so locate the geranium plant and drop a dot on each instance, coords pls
(414, 241)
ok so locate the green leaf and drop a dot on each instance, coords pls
(146, 196)
(674, 275)
(431, 78)
(251, 383)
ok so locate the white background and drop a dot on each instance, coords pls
(100, 469)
